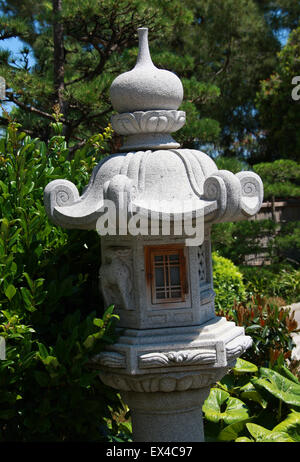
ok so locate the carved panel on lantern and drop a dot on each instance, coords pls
(204, 273)
(116, 277)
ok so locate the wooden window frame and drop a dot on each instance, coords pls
(166, 250)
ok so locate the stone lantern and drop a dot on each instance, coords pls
(153, 205)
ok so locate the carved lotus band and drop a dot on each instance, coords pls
(162, 121)
(162, 382)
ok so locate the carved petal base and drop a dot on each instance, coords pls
(164, 382)
(148, 130)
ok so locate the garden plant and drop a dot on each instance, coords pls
(51, 314)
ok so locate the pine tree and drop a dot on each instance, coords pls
(221, 50)
(278, 106)
(79, 48)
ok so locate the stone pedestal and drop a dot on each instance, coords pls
(164, 375)
(167, 417)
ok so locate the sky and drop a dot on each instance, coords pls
(14, 45)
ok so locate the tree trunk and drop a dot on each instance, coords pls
(59, 57)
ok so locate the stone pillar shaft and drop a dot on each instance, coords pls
(167, 417)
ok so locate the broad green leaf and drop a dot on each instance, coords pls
(290, 427)
(263, 435)
(236, 411)
(213, 403)
(249, 391)
(231, 432)
(10, 291)
(98, 322)
(243, 367)
(244, 439)
(221, 406)
(257, 431)
(287, 373)
(26, 295)
(43, 351)
(42, 148)
(279, 386)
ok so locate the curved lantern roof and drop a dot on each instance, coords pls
(153, 175)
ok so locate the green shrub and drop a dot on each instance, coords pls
(269, 326)
(51, 313)
(280, 281)
(228, 283)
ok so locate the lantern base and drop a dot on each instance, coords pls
(167, 417)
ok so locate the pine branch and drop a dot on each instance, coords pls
(29, 108)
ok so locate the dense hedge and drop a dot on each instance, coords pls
(51, 313)
(228, 283)
(278, 282)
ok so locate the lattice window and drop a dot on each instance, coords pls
(166, 270)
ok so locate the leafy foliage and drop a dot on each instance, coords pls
(281, 178)
(278, 111)
(269, 326)
(278, 282)
(228, 283)
(50, 311)
(264, 402)
(220, 406)
(209, 56)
